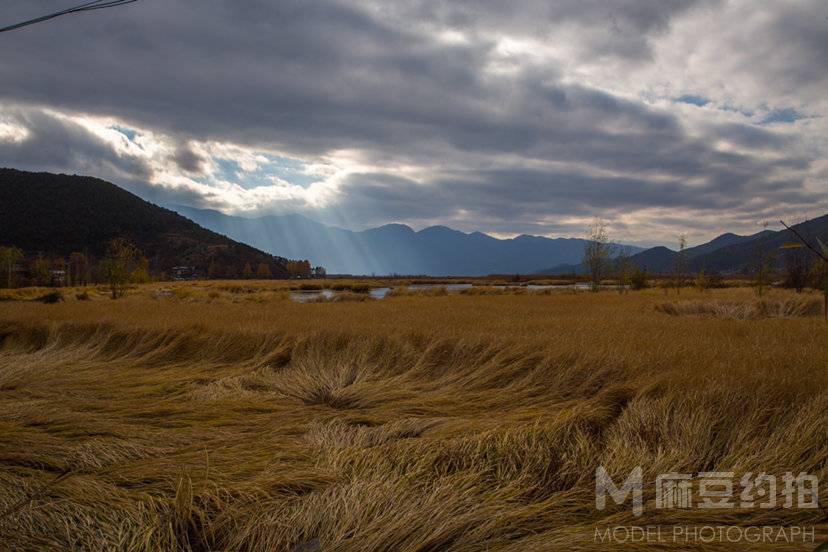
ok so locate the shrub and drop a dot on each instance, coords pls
(51, 297)
(83, 296)
(344, 297)
(715, 281)
(404, 291)
(702, 281)
(639, 279)
(307, 287)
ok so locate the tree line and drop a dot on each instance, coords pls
(123, 263)
(796, 265)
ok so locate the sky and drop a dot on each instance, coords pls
(662, 117)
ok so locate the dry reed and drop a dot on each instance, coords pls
(745, 310)
(446, 422)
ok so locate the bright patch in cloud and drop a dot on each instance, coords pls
(10, 132)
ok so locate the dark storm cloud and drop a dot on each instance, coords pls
(317, 75)
(535, 195)
(619, 29)
(309, 78)
(749, 136)
(802, 31)
(306, 77)
(188, 160)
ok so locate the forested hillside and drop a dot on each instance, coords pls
(47, 214)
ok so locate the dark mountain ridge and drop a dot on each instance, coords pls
(740, 257)
(727, 254)
(662, 259)
(57, 214)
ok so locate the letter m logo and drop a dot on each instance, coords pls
(604, 485)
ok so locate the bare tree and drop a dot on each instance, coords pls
(597, 253)
(78, 269)
(702, 282)
(623, 269)
(821, 251)
(121, 255)
(263, 271)
(681, 264)
(9, 257)
(763, 260)
(41, 270)
(797, 266)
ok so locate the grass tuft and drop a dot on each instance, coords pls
(755, 310)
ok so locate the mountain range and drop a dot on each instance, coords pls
(57, 214)
(726, 254)
(53, 214)
(393, 248)
(442, 251)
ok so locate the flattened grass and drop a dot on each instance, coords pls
(197, 421)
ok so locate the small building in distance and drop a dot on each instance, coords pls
(57, 278)
(183, 273)
(318, 272)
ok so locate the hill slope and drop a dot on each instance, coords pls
(394, 248)
(738, 257)
(729, 253)
(58, 214)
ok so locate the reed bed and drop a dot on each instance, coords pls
(746, 310)
(426, 422)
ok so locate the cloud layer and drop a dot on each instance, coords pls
(665, 117)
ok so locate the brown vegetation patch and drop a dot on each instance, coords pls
(754, 310)
(456, 423)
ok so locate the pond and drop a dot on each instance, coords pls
(381, 292)
(376, 293)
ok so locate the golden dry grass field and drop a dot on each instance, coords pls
(224, 416)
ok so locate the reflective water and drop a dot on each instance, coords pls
(382, 292)
(309, 296)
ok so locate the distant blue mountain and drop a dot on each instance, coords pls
(728, 253)
(393, 248)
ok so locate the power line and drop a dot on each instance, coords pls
(87, 6)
